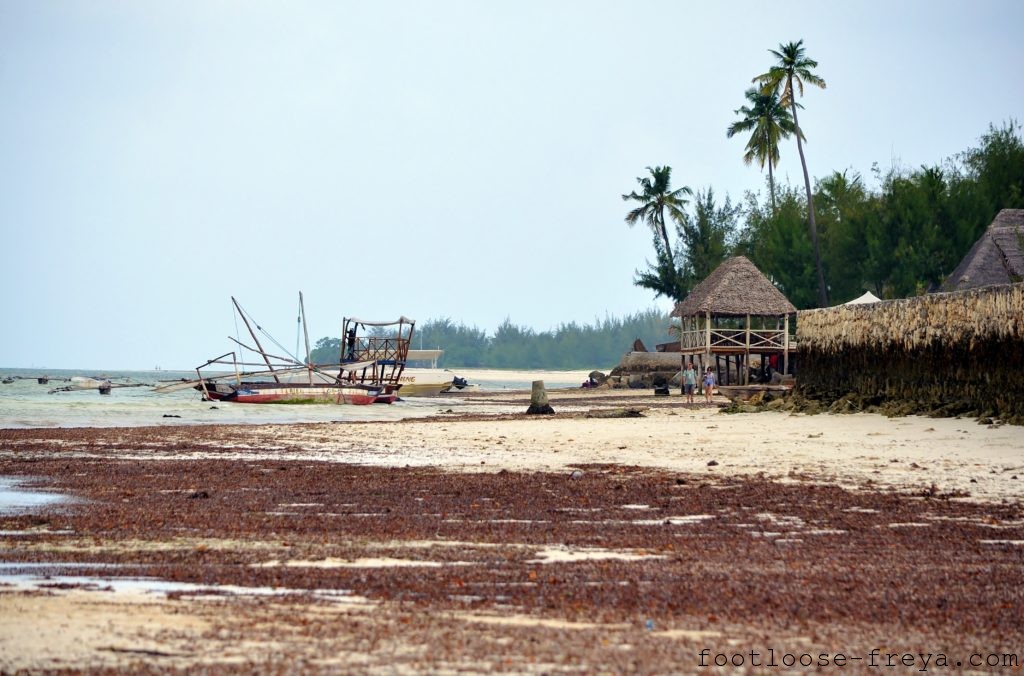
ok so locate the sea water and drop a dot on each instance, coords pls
(133, 402)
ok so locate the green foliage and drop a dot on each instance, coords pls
(462, 345)
(656, 198)
(791, 71)
(776, 242)
(768, 121)
(902, 239)
(997, 168)
(326, 351)
(789, 74)
(706, 236)
(843, 210)
(705, 239)
(663, 277)
(569, 346)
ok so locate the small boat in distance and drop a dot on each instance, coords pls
(423, 382)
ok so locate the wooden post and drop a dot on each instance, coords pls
(707, 344)
(746, 355)
(707, 331)
(305, 331)
(539, 400)
(684, 335)
(785, 347)
(257, 340)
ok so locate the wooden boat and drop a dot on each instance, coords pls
(290, 393)
(369, 368)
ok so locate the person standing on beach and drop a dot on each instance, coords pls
(709, 383)
(689, 381)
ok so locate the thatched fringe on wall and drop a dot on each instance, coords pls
(940, 379)
(962, 318)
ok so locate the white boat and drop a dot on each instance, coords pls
(424, 382)
(413, 382)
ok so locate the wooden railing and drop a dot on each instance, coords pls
(379, 349)
(755, 340)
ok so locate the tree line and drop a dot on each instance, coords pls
(822, 242)
(569, 346)
(837, 237)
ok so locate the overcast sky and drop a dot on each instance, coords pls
(432, 159)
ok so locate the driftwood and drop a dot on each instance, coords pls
(627, 412)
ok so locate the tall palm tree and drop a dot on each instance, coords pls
(656, 198)
(769, 121)
(794, 68)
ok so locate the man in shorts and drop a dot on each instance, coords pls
(689, 382)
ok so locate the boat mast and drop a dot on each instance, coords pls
(253, 334)
(305, 331)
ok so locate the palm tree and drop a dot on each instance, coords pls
(769, 121)
(794, 68)
(656, 198)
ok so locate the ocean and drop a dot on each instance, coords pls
(25, 403)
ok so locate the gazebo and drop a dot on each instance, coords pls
(734, 313)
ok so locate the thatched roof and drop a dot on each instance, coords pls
(960, 318)
(996, 258)
(736, 287)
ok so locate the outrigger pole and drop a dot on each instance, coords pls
(253, 334)
(305, 331)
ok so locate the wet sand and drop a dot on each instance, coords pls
(490, 541)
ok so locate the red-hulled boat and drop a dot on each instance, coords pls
(290, 393)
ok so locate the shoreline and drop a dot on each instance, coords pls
(957, 455)
(495, 541)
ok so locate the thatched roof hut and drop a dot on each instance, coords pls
(711, 321)
(736, 288)
(996, 258)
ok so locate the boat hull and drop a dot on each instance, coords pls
(291, 393)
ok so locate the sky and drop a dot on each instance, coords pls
(428, 159)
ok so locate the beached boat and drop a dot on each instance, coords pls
(427, 382)
(369, 369)
(290, 393)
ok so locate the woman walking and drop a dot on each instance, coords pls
(709, 383)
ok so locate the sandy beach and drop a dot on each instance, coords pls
(626, 532)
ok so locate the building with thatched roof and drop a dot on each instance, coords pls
(734, 313)
(996, 258)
